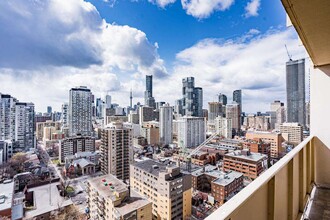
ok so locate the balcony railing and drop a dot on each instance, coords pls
(282, 191)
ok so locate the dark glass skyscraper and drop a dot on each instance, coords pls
(223, 99)
(295, 91)
(192, 100)
(149, 100)
(237, 97)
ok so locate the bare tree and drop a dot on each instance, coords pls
(17, 161)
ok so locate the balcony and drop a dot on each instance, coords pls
(295, 187)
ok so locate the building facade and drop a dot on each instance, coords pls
(192, 100)
(223, 127)
(237, 97)
(292, 132)
(233, 112)
(191, 131)
(24, 125)
(165, 124)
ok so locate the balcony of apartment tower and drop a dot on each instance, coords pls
(297, 186)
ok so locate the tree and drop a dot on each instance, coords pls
(17, 161)
(68, 213)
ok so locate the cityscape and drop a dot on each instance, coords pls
(159, 151)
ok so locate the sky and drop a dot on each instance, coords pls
(50, 46)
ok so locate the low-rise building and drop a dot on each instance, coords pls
(6, 198)
(243, 161)
(110, 198)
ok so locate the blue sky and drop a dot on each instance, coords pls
(50, 46)
(174, 30)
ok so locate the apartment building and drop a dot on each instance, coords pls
(116, 150)
(275, 139)
(41, 125)
(221, 185)
(246, 162)
(72, 145)
(292, 132)
(111, 199)
(165, 186)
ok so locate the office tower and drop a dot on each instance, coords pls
(223, 127)
(237, 97)
(71, 145)
(80, 111)
(24, 125)
(295, 91)
(116, 150)
(222, 99)
(191, 131)
(107, 101)
(277, 107)
(64, 116)
(146, 114)
(7, 117)
(149, 100)
(165, 186)
(93, 106)
(112, 199)
(166, 124)
(192, 101)
(49, 110)
(178, 108)
(292, 132)
(99, 107)
(131, 99)
(233, 112)
(215, 109)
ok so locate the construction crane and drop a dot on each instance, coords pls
(287, 51)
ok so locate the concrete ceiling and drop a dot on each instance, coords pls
(311, 19)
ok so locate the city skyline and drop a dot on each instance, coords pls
(220, 63)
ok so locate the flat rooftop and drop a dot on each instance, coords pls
(106, 185)
(136, 201)
(228, 178)
(6, 194)
(222, 178)
(255, 157)
(46, 199)
(148, 166)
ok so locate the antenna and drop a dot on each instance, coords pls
(287, 51)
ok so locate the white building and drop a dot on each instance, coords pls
(7, 117)
(292, 132)
(191, 131)
(116, 150)
(165, 124)
(80, 111)
(223, 127)
(24, 125)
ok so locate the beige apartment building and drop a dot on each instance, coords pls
(165, 186)
(292, 132)
(275, 140)
(116, 150)
(111, 199)
(49, 124)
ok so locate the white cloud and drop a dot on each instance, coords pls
(251, 9)
(204, 8)
(162, 3)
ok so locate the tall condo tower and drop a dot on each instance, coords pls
(192, 100)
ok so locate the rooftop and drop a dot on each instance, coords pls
(6, 194)
(153, 167)
(106, 185)
(134, 202)
(255, 157)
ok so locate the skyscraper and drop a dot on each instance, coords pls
(295, 91)
(149, 100)
(215, 110)
(49, 110)
(80, 111)
(165, 124)
(24, 125)
(116, 150)
(7, 117)
(222, 99)
(233, 112)
(237, 97)
(191, 131)
(192, 101)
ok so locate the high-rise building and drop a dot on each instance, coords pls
(237, 97)
(192, 101)
(223, 127)
(150, 131)
(292, 132)
(149, 100)
(233, 112)
(116, 150)
(80, 111)
(6, 150)
(108, 101)
(215, 110)
(166, 124)
(165, 186)
(308, 114)
(110, 198)
(295, 91)
(277, 108)
(64, 116)
(159, 104)
(146, 114)
(222, 99)
(191, 131)
(49, 110)
(7, 117)
(178, 108)
(24, 125)
(71, 145)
